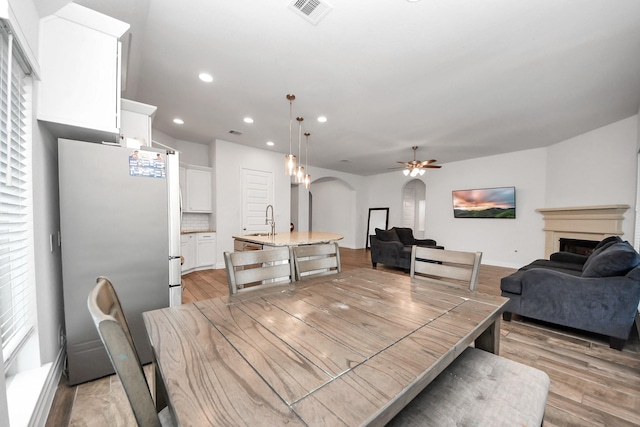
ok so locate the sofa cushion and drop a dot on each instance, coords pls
(387, 235)
(563, 267)
(576, 261)
(512, 283)
(405, 235)
(615, 260)
(607, 241)
(601, 247)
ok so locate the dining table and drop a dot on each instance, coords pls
(346, 349)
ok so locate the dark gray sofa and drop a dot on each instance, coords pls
(599, 293)
(393, 247)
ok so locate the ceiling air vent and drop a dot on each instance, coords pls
(235, 132)
(311, 10)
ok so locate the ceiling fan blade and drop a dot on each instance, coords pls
(417, 164)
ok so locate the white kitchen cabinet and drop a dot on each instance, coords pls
(79, 94)
(206, 250)
(189, 251)
(195, 183)
(136, 122)
(198, 251)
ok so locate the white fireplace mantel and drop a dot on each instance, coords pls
(584, 223)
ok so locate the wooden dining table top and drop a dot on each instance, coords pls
(349, 349)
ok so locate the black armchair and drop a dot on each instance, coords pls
(393, 247)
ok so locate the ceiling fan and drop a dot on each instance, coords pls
(417, 167)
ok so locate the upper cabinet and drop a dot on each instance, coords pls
(195, 184)
(79, 93)
(135, 123)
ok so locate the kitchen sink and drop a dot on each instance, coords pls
(259, 234)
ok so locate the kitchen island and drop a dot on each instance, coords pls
(294, 238)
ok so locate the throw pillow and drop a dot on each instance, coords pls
(405, 235)
(601, 247)
(387, 235)
(616, 260)
(607, 241)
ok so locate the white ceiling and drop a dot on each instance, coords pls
(459, 78)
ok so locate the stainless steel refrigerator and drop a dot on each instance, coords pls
(119, 218)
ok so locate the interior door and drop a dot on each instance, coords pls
(257, 194)
(408, 206)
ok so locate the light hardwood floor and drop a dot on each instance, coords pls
(591, 384)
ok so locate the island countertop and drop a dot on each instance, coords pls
(293, 238)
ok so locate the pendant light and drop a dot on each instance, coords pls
(290, 159)
(299, 178)
(307, 177)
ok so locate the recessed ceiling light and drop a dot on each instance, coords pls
(178, 121)
(205, 77)
(248, 120)
(270, 143)
(322, 119)
(413, 1)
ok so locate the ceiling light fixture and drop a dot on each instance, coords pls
(307, 177)
(270, 143)
(290, 159)
(299, 178)
(248, 120)
(178, 121)
(415, 167)
(205, 77)
(322, 119)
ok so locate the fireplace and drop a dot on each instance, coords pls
(587, 223)
(577, 246)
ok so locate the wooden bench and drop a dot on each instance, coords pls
(480, 389)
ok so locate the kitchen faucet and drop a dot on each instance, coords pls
(270, 221)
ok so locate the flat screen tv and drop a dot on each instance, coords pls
(497, 202)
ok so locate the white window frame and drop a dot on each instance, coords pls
(18, 280)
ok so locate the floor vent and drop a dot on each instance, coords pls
(311, 10)
(235, 132)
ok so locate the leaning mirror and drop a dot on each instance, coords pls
(378, 218)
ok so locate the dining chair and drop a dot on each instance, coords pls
(314, 260)
(114, 332)
(445, 266)
(258, 268)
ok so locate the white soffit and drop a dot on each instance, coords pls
(311, 10)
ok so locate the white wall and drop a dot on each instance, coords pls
(323, 180)
(48, 264)
(334, 209)
(596, 168)
(504, 242)
(230, 160)
(295, 208)
(190, 152)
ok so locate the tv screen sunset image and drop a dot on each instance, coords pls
(485, 203)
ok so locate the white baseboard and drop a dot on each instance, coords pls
(43, 405)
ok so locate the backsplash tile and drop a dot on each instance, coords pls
(195, 221)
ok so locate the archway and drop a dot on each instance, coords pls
(414, 207)
(332, 208)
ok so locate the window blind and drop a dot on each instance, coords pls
(17, 288)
